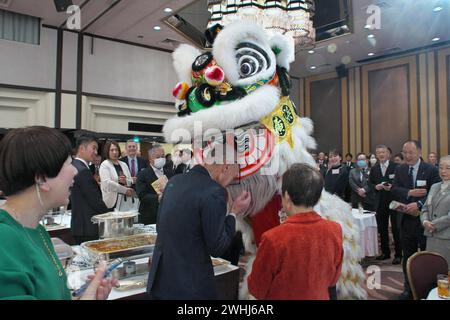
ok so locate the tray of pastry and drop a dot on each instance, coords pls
(139, 244)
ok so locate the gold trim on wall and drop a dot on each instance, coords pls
(432, 103)
(413, 104)
(360, 135)
(344, 104)
(352, 126)
(443, 85)
(423, 104)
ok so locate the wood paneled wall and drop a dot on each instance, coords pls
(383, 102)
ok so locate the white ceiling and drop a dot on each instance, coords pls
(405, 24)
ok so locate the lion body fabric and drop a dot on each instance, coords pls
(243, 84)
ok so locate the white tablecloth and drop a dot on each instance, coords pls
(433, 295)
(81, 275)
(368, 232)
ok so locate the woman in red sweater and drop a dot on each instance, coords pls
(300, 259)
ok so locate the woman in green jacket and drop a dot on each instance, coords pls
(36, 175)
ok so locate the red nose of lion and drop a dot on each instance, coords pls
(214, 75)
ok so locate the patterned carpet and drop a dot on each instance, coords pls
(391, 279)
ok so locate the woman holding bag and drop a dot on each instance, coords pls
(115, 177)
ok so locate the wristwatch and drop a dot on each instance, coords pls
(419, 205)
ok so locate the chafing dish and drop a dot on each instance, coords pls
(131, 246)
(115, 224)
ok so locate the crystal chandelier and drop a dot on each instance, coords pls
(289, 17)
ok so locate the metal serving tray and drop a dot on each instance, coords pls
(123, 247)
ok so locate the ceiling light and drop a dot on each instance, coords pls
(311, 51)
(157, 28)
(367, 26)
(168, 10)
(437, 9)
(370, 36)
(371, 54)
(435, 39)
(313, 67)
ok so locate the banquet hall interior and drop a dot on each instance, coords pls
(370, 74)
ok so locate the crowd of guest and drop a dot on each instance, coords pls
(421, 221)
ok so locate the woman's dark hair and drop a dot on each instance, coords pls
(108, 146)
(30, 152)
(303, 184)
(335, 152)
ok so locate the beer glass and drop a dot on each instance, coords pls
(442, 284)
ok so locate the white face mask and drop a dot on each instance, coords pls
(159, 163)
(373, 161)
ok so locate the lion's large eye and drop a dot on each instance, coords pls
(251, 60)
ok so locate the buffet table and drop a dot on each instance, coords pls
(368, 232)
(61, 228)
(226, 275)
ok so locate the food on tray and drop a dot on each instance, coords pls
(114, 245)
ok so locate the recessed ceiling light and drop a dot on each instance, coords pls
(168, 10)
(371, 54)
(313, 67)
(311, 51)
(435, 39)
(370, 36)
(437, 9)
(157, 28)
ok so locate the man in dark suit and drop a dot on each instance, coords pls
(86, 197)
(168, 167)
(148, 196)
(322, 163)
(134, 163)
(361, 188)
(412, 181)
(381, 176)
(193, 225)
(186, 164)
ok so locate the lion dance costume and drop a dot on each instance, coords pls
(243, 85)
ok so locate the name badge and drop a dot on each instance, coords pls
(391, 176)
(335, 171)
(421, 183)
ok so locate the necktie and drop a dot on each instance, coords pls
(383, 169)
(133, 169)
(411, 176)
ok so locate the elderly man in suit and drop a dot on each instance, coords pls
(412, 182)
(148, 196)
(381, 176)
(361, 188)
(436, 213)
(134, 163)
(86, 196)
(193, 225)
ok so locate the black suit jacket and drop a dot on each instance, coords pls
(383, 198)
(337, 183)
(148, 207)
(192, 226)
(402, 184)
(142, 164)
(86, 201)
(169, 170)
